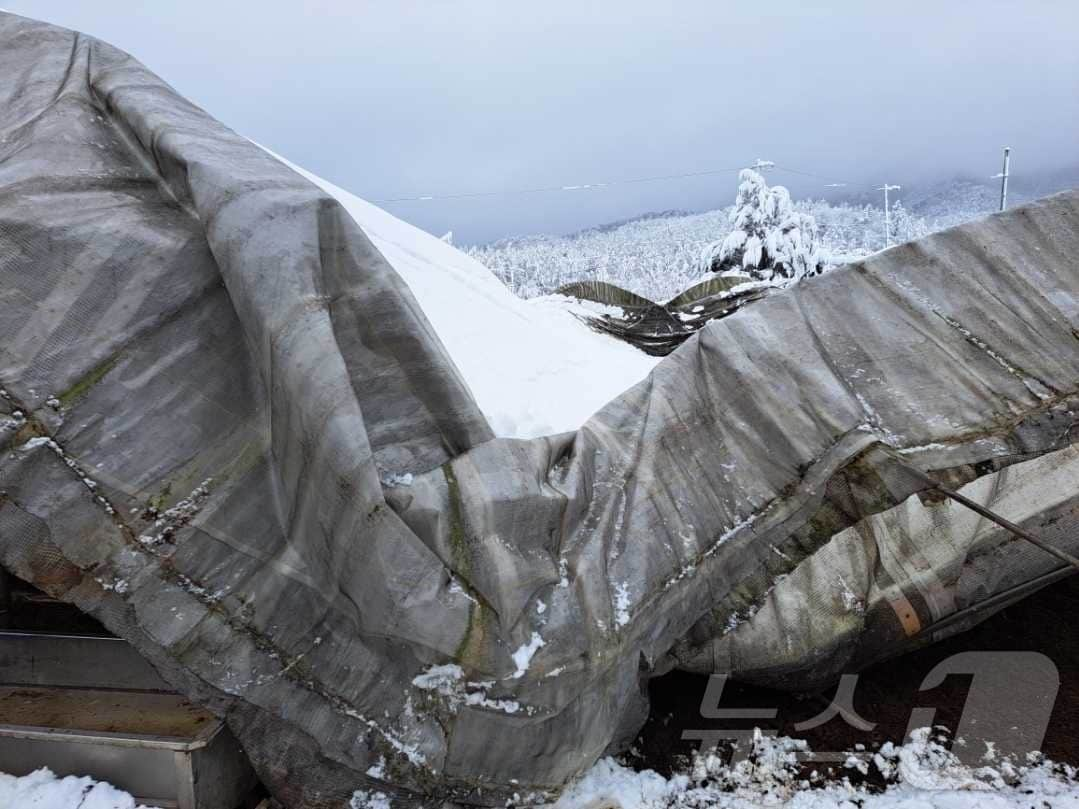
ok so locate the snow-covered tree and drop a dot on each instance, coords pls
(659, 256)
(769, 240)
(905, 227)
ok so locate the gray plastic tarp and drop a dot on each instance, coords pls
(178, 307)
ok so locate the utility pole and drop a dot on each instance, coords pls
(888, 212)
(761, 165)
(1003, 176)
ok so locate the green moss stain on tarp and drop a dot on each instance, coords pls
(470, 648)
(88, 380)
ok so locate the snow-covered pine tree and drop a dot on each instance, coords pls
(769, 240)
(905, 227)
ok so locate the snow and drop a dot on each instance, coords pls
(658, 255)
(751, 258)
(167, 523)
(438, 677)
(770, 240)
(37, 441)
(523, 656)
(921, 774)
(533, 367)
(362, 799)
(378, 770)
(448, 680)
(42, 789)
(520, 348)
(621, 604)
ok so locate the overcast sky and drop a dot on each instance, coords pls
(400, 98)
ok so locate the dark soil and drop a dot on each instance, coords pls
(1046, 622)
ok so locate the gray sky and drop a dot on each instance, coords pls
(402, 98)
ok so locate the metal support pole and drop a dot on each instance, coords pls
(888, 213)
(1004, 179)
(887, 219)
(1063, 556)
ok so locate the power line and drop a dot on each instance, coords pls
(550, 188)
(830, 182)
(759, 165)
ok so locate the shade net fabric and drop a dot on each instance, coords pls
(214, 390)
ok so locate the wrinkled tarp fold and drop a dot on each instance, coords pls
(178, 307)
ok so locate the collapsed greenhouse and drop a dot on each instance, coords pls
(236, 432)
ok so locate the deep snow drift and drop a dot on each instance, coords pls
(534, 368)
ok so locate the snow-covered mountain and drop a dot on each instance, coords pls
(657, 254)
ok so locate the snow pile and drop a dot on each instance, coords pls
(534, 367)
(919, 775)
(42, 789)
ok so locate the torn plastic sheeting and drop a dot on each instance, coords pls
(201, 312)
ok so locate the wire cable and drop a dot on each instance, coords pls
(550, 188)
(830, 181)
